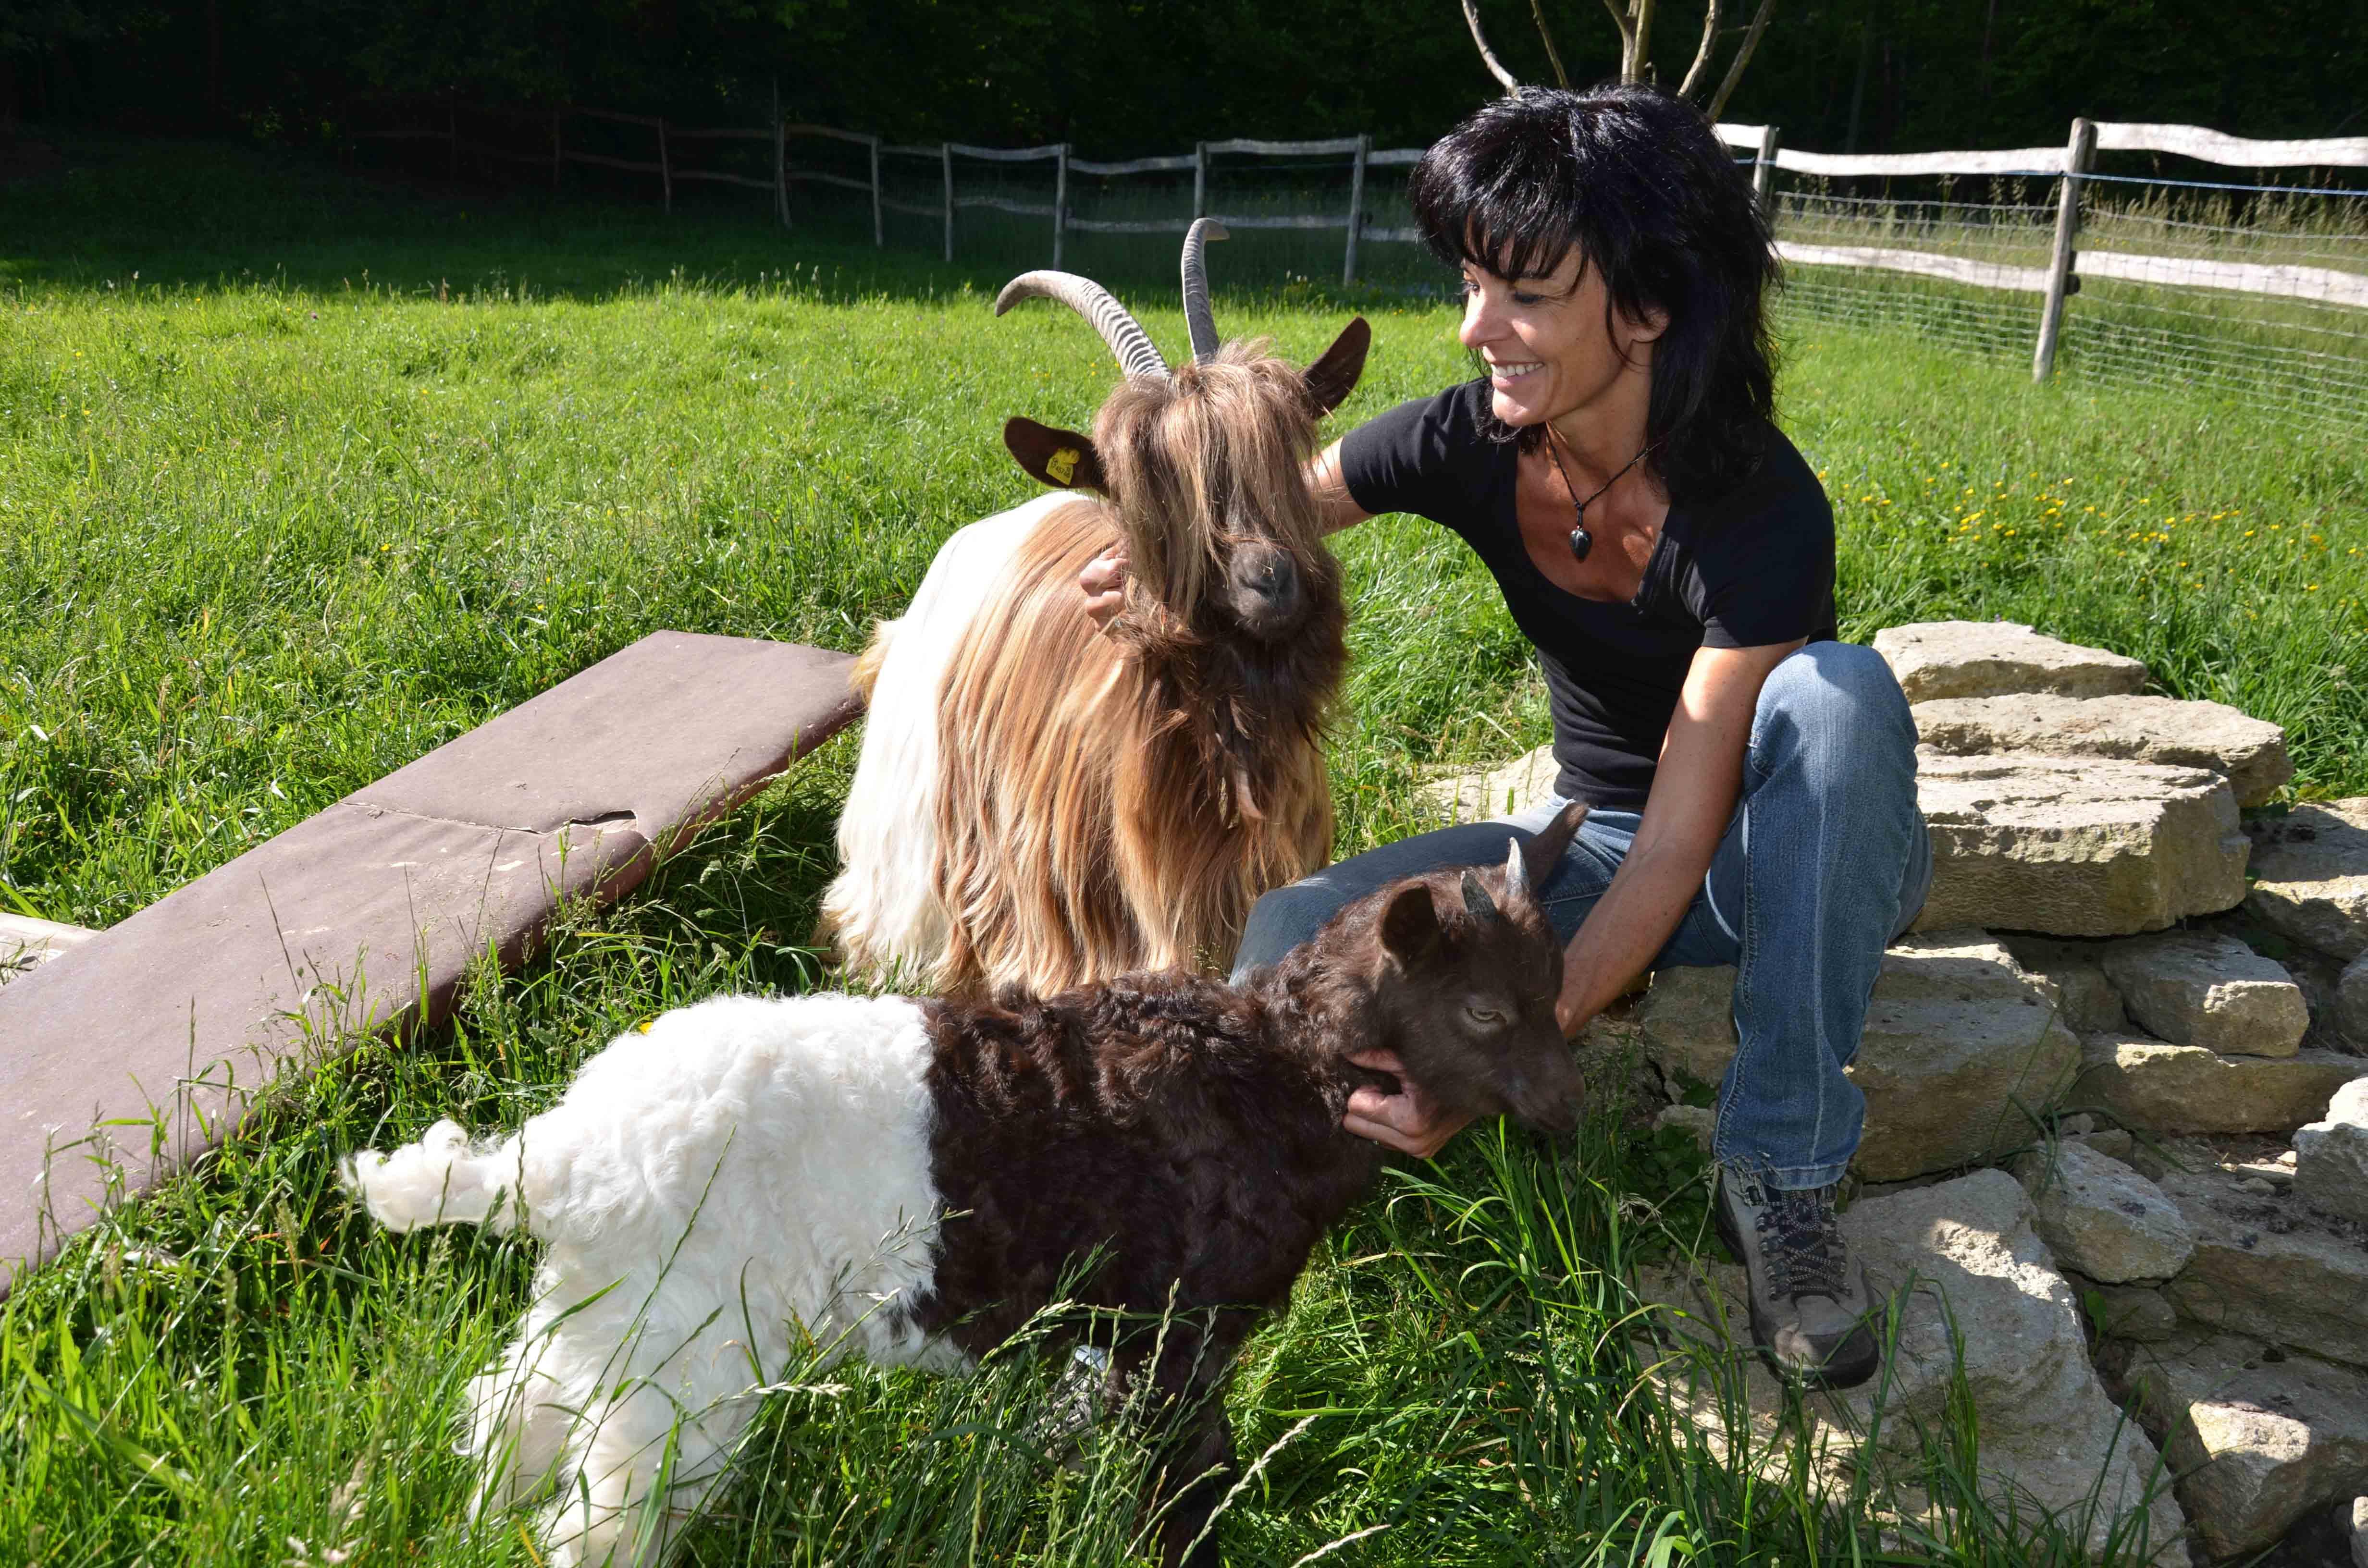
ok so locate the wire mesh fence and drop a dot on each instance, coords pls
(2090, 257)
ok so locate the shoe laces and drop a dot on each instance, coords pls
(1801, 1239)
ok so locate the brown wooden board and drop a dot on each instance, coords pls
(125, 1059)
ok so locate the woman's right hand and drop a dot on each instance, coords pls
(1103, 582)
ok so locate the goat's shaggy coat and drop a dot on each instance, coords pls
(922, 1177)
(1042, 805)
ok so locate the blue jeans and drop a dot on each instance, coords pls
(1825, 863)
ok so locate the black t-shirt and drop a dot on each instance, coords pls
(1752, 567)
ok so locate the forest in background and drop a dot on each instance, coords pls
(1122, 77)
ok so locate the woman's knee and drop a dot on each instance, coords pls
(1840, 699)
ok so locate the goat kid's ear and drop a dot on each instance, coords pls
(1539, 853)
(1061, 458)
(1410, 926)
(1332, 378)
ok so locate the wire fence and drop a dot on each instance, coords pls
(2087, 257)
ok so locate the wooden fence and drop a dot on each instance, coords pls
(2069, 165)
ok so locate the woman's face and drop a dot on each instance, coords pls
(1545, 341)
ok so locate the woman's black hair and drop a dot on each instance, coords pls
(1637, 183)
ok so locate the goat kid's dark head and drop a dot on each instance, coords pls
(1204, 465)
(1470, 969)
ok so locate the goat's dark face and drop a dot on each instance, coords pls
(1470, 971)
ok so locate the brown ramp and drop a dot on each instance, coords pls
(126, 1057)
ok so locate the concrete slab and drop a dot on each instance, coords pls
(118, 1067)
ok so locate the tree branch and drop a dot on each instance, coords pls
(1742, 58)
(1472, 19)
(1554, 56)
(1701, 68)
(1640, 68)
(1627, 39)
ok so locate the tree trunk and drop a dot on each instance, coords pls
(1858, 86)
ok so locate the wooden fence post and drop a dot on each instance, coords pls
(1355, 207)
(946, 155)
(665, 165)
(1763, 170)
(1060, 199)
(558, 152)
(879, 233)
(1199, 179)
(2079, 152)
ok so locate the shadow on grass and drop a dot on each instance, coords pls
(206, 214)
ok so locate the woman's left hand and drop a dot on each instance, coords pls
(1407, 1121)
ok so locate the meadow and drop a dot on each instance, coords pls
(302, 475)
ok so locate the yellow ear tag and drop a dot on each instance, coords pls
(1062, 464)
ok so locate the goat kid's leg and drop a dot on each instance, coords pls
(518, 1424)
(1194, 1457)
(623, 1451)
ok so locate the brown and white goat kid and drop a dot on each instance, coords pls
(914, 1179)
(1039, 804)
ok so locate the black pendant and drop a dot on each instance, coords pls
(1581, 542)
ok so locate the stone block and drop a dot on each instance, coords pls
(2331, 1156)
(27, 943)
(1699, 1121)
(2084, 996)
(2162, 1087)
(2269, 1268)
(2249, 752)
(2073, 848)
(2135, 1312)
(2355, 1530)
(2351, 1002)
(2310, 875)
(1937, 659)
(2098, 1216)
(2259, 1438)
(1959, 1044)
(1478, 794)
(2194, 988)
(1977, 1291)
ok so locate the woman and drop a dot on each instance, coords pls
(1671, 556)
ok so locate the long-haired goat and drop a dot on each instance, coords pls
(914, 1179)
(1043, 805)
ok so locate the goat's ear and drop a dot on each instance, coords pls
(1061, 458)
(1410, 926)
(1539, 853)
(1332, 378)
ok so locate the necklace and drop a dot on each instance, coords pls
(1581, 541)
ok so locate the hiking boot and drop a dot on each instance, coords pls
(1809, 1303)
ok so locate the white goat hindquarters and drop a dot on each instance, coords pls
(747, 1171)
(883, 909)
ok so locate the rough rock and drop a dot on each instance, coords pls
(2135, 1312)
(1476, 795)
(1689, 1022)
(1956, 1035)
(2085, 997)
(2310, 875)
(2162, 1087)
(2331, 1156)
(2098, 1216)
(2271, 1269)
(1937, 659)
(1699, 1120)
(2077, 847)
(2355, 1520)
(2249, 752)
(2259, 1439)
(2351, 1002)
(2193, 988)
(1960, 1253)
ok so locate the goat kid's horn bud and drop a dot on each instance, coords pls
(1476, 899)
(1517, 873)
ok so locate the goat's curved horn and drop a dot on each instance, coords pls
(1476, 899)
(1137, 355)
(1517, 873)
(1198, 320)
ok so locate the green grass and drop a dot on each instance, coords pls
(347, 469)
